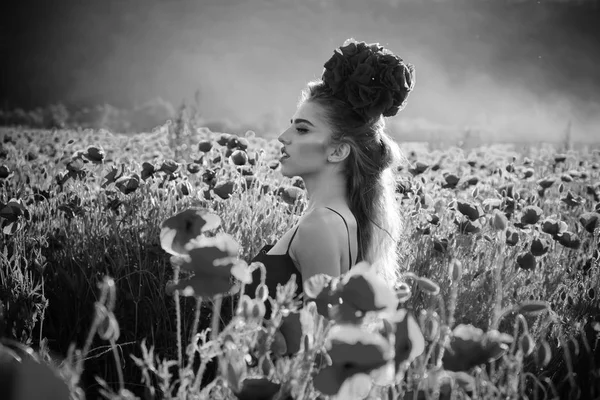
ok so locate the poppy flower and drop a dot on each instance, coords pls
(185, 188)
(553, 227)
(512, 237)
(17, 369)
(147, 170)
(5, 172)
(526, 261)
(451, 181)
(418, 168)
(589, 221)
(361, 291)
(205, 146)
(128, 183)
(531, 215)
(572, 200)
(470, 210)
(193, 168)
(242, 143)
(213, 261)
(181, 228)
(13, 216)
(224, 189)
(440, 245)
(112, 175)
(322, 290)
(352, 351)
(471, 346)
(291, 194)
(466, 226)
(298, 182)
(169, 166)
(291, 331)
(95, 154)
(528, 173)
(566, 178)
(239, 157)
(539, 246)
(232, 141)
(409, 341)
(257, 389)
(560, 157)
(568, 239)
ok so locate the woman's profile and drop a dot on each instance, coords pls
(337, 144)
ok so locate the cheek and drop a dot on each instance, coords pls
(313, 150)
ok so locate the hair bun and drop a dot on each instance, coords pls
(370, 78)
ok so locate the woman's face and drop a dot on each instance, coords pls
(306, 142)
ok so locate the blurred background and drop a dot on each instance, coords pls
(497, 70)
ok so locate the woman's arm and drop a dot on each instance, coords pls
(316, 248)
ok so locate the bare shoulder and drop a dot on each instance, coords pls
(316, 248)
(323, 223)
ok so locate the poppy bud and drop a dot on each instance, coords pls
(234, 371)
(534, 307)
(428, 285)
(573, 346)
(526, 261)
(527, 344)
(455, 270)
(258, 310)
(499, 221)
(262, 292)
(543, 354)
(431, 327)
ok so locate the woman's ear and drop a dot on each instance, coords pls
(339, 153)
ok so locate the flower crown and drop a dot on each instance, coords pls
(370, 78)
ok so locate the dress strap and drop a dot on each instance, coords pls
(347, 230)
(290, 243)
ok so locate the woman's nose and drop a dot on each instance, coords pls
(282, 138)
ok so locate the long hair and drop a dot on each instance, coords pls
(370, 178)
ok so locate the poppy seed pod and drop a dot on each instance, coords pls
(455, 269)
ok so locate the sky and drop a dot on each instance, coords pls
(511, 69)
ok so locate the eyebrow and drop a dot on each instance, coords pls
(299, 120)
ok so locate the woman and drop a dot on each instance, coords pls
(337, 144)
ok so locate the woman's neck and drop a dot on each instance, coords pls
(325, 189)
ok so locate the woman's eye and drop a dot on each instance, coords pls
(302, 130)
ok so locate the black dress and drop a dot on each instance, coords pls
(280, 268)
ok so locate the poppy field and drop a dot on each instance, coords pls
(124, 260)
